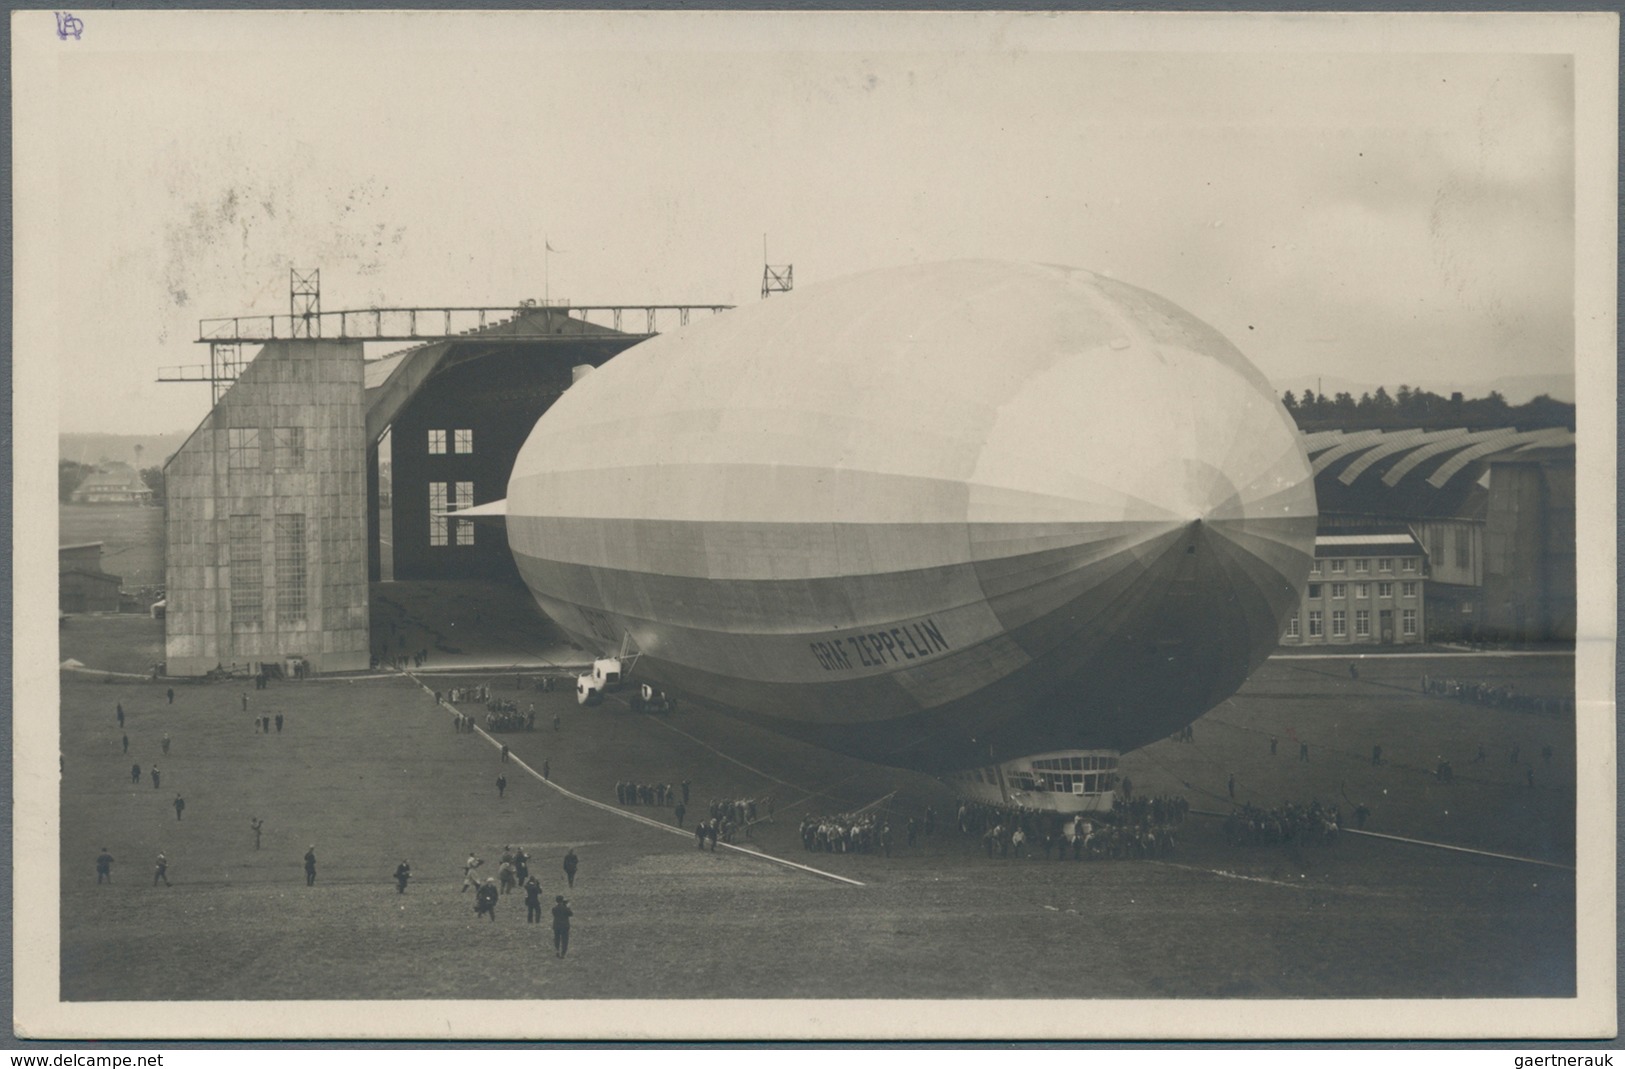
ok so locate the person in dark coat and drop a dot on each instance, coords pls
(561, 925)
(403, 873)
(171, 693)
(485, 899)
(570, 863)
(256, 824)
(680, 811)
(279, 723)
(533, 901)
(160, 871)
(104, 866)
(502, 784)
(121, 714)
(155, 776)
(126, 744)
(135, 773)
(180, 806)
(310, 866)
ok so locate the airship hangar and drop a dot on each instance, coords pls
(276, 527)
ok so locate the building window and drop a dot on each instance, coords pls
(247, 597)
(1385, 590)
(290, 448)
(1408, 621)
(243, 446)
(1337, 567)
(437, 514)
(1362, 590)
(1340, 623)
(437, 442)
(1292, 626)
(1385, 564)
(1314, 569)
(1315, 629)
(1362, 623)
(1408, 589)
(290, 567)
(1464, 547)
(465, 499)
(463, 441)
(1407, 564)
(1362, 565)
(1314, 590)
(1340, 590)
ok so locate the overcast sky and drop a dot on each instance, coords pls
(1376, 217)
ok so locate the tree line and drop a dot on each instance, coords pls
(1413, 408)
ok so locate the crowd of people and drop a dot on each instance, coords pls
(1500, 696)
(1135, 828)
(847, 833)
(1289, 822)
(656, 794)
(503, 715)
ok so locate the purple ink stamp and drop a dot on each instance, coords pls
(67, 24)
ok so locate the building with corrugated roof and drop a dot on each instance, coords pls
(1493, 511)
(112, 484)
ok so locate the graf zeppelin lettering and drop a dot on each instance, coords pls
(876, 649)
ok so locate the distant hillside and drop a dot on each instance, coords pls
(96, 448)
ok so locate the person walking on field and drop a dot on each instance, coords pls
(180, 806)
(533, 901)
(126, 744)
(104, 866)
(121, 714)
(570, 863)
(155, 776)
(502, 784)
(164, 742)
(561, 925)
(310, 866)
(485, 900)
(469, 879)
(135, 773)
(403, 873)
(161, 871)
(256, 824)
(171, 693)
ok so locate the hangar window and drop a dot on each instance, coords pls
(437, 514)
(1340, 624)
(437, 442)
(464, 499)
(1385, 590)
(1408, 589)
(1362, 590)
(1385, 564)
(1292, 626)
(1362, 565)
(246, 594)
(1408, 621)
(1338, 566)
(1340, 590)
(243, 445)
(463, 441)
(290, 567)
(1362, 623)
(1314, 569)
(290, 448)
(1408, 564)
(1315, 629)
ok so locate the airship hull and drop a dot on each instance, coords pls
(931, 517)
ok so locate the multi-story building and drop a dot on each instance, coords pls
(1365, 588)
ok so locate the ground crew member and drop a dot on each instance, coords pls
(533, 901)
(126, 744)
(121, 714)
(171, 693)
(485, 900)
(161, 871)
(279, 723)
(468, 872)
(403, 873)
(256, 824)
(570, 863)
(155, 775)
(680, 811)
(104, 866)
(1232, 786)
(310, 866)
(504, 753)
(180, 804)
(555, 721)
(502, 784)
(561, 925)
(547, 772)
(135, 773)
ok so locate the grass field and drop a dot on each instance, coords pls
(133, 537)
(370, 772)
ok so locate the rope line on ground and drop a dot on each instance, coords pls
(634, 817)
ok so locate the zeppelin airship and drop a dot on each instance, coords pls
(1000, 522)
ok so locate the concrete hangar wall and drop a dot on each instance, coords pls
(272, 526)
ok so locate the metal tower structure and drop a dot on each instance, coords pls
(776, 278)
(305, 302)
